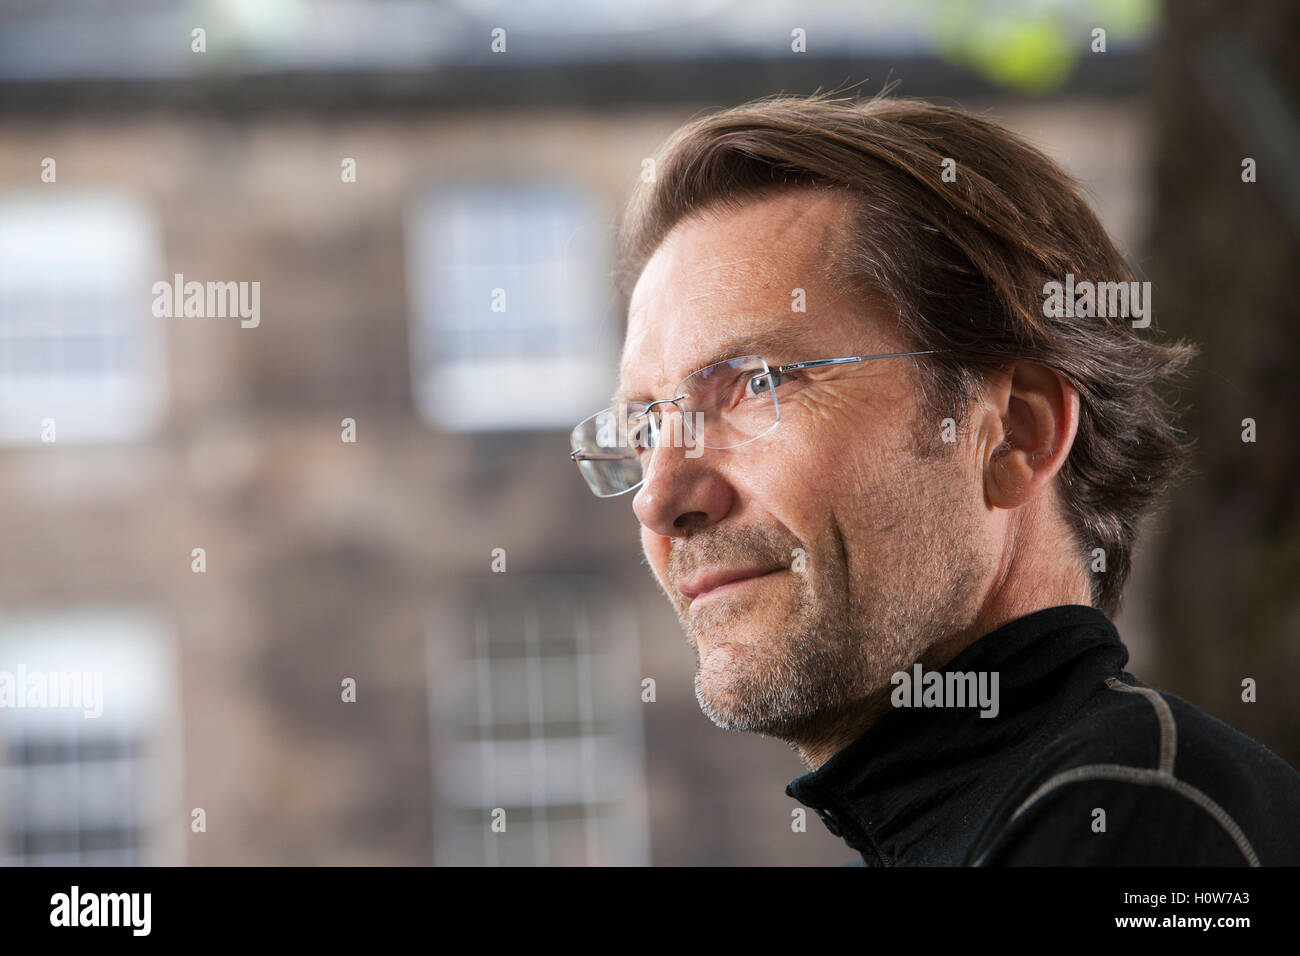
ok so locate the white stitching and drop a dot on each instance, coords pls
(1162, 776)
(1168, 732)
(1153, 777)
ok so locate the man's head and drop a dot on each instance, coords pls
(908, 502)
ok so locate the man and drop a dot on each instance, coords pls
(891, 489)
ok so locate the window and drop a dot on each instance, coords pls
(78, 789)
(78, 341)
(536, 712)
(510, 292)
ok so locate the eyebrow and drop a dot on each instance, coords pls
(780, 341)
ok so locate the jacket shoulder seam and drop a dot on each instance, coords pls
(1145, 777)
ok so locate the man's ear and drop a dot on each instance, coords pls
(1031, 416)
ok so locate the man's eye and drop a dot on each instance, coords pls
(763, 382)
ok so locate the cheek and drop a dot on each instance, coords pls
(833, 451)
(840, 473)
(792, 485)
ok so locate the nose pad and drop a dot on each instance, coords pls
(690, 433)
(656, 417)
(663, 430)
(658, 436)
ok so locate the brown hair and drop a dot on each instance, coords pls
(963, 266)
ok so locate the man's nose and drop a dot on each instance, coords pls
(682, 491)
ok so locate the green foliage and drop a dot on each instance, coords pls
(1033, 45)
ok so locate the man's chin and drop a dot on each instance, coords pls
(718, 656)
(746, 722)
(734, 704)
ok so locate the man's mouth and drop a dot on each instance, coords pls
(709, 585)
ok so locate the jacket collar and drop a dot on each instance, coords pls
(917, 786)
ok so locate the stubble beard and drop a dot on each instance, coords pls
(828, 654)
(773, 682)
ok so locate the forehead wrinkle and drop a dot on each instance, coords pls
(741, 273)
(735, 279)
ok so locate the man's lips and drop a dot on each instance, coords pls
(709, 581)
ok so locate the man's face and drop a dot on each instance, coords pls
(876, 541)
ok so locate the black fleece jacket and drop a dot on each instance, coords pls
(1083, 765)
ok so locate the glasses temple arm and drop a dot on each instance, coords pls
(851, 358)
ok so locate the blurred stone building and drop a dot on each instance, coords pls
(202, 531)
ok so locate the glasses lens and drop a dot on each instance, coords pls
(609, 446)
(723, 405)
(730, 403)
